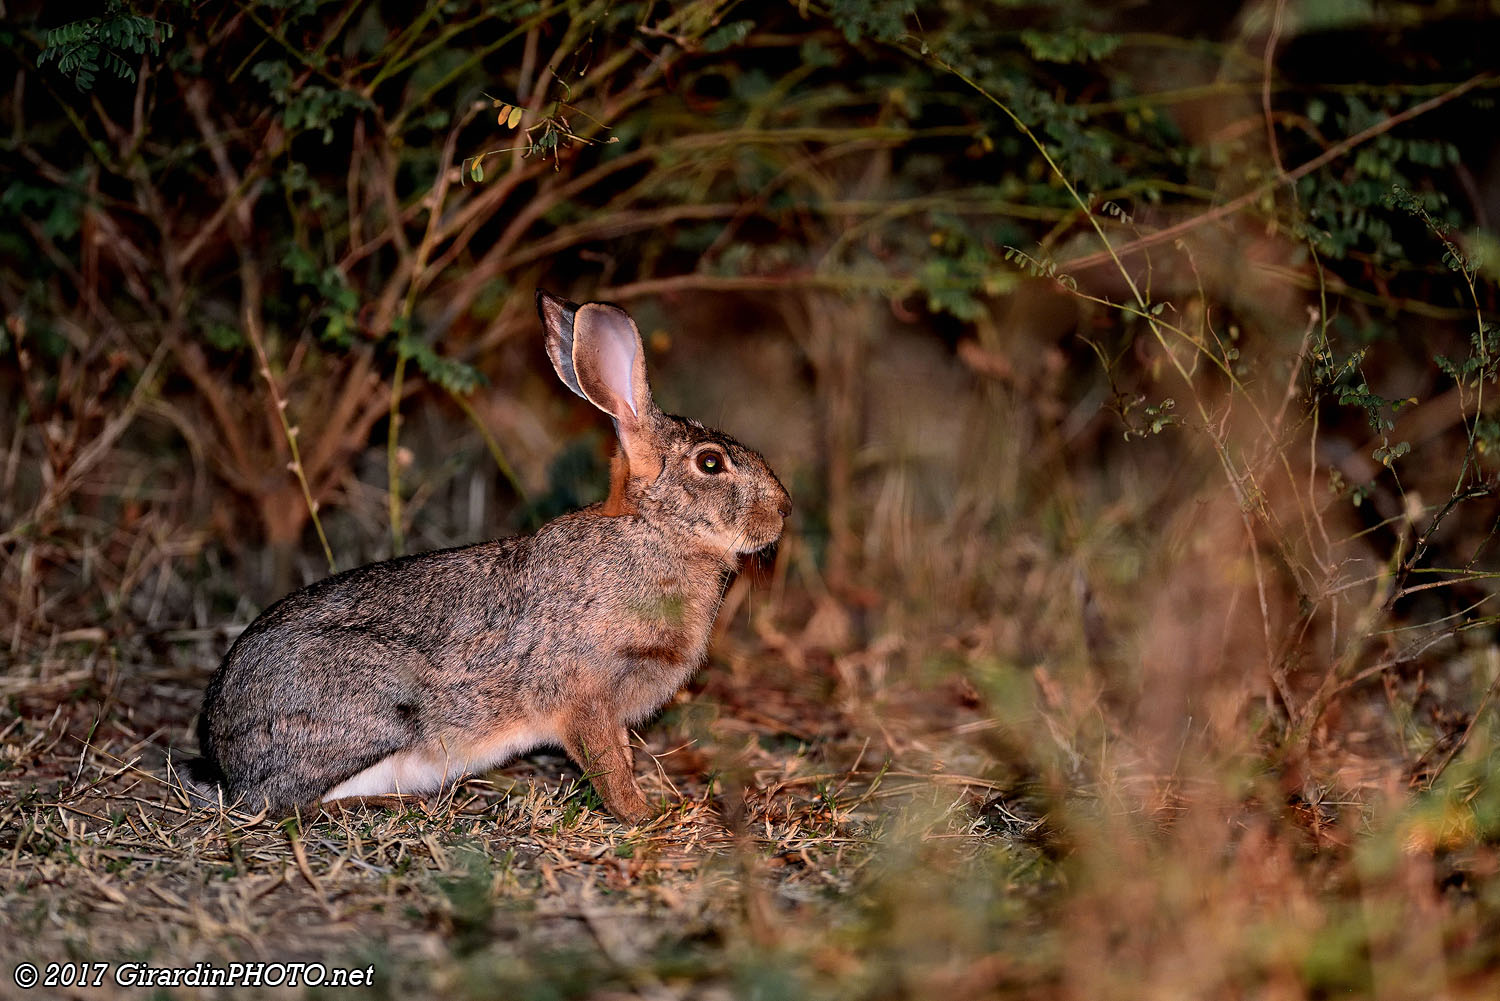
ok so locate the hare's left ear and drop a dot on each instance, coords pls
(597, 352)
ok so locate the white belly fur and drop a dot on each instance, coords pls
(429, 767)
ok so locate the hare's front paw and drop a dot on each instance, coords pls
(624, 800)
(603, 752)
(630, 808)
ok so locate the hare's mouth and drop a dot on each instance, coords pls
(761, 536)
(756, 551)
(766, 553)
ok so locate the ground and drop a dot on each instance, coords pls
(776, 802)
(816, 843)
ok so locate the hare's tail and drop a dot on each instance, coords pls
(200, 779)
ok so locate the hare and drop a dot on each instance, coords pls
(407, 675)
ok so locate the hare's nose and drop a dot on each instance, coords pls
(784, 506)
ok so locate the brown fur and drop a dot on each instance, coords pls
(617, 503)
(403, 676)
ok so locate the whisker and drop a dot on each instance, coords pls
(734, 544)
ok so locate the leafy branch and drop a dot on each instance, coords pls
(83, 49)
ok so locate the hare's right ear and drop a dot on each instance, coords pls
(597, 352)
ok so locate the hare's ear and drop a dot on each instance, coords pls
(609, 365)
(609, 362)
(557, 319)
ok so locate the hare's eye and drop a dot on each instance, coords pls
(710, 462)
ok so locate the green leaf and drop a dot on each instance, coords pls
(1071, 46)
(82, 48)
(882, 20)
(727, 35)
(450, 373)
(223, 337)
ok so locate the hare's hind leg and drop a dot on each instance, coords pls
(291, 761)
(601, 747)
(412, 771)
(295, 783)
(441, 762)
